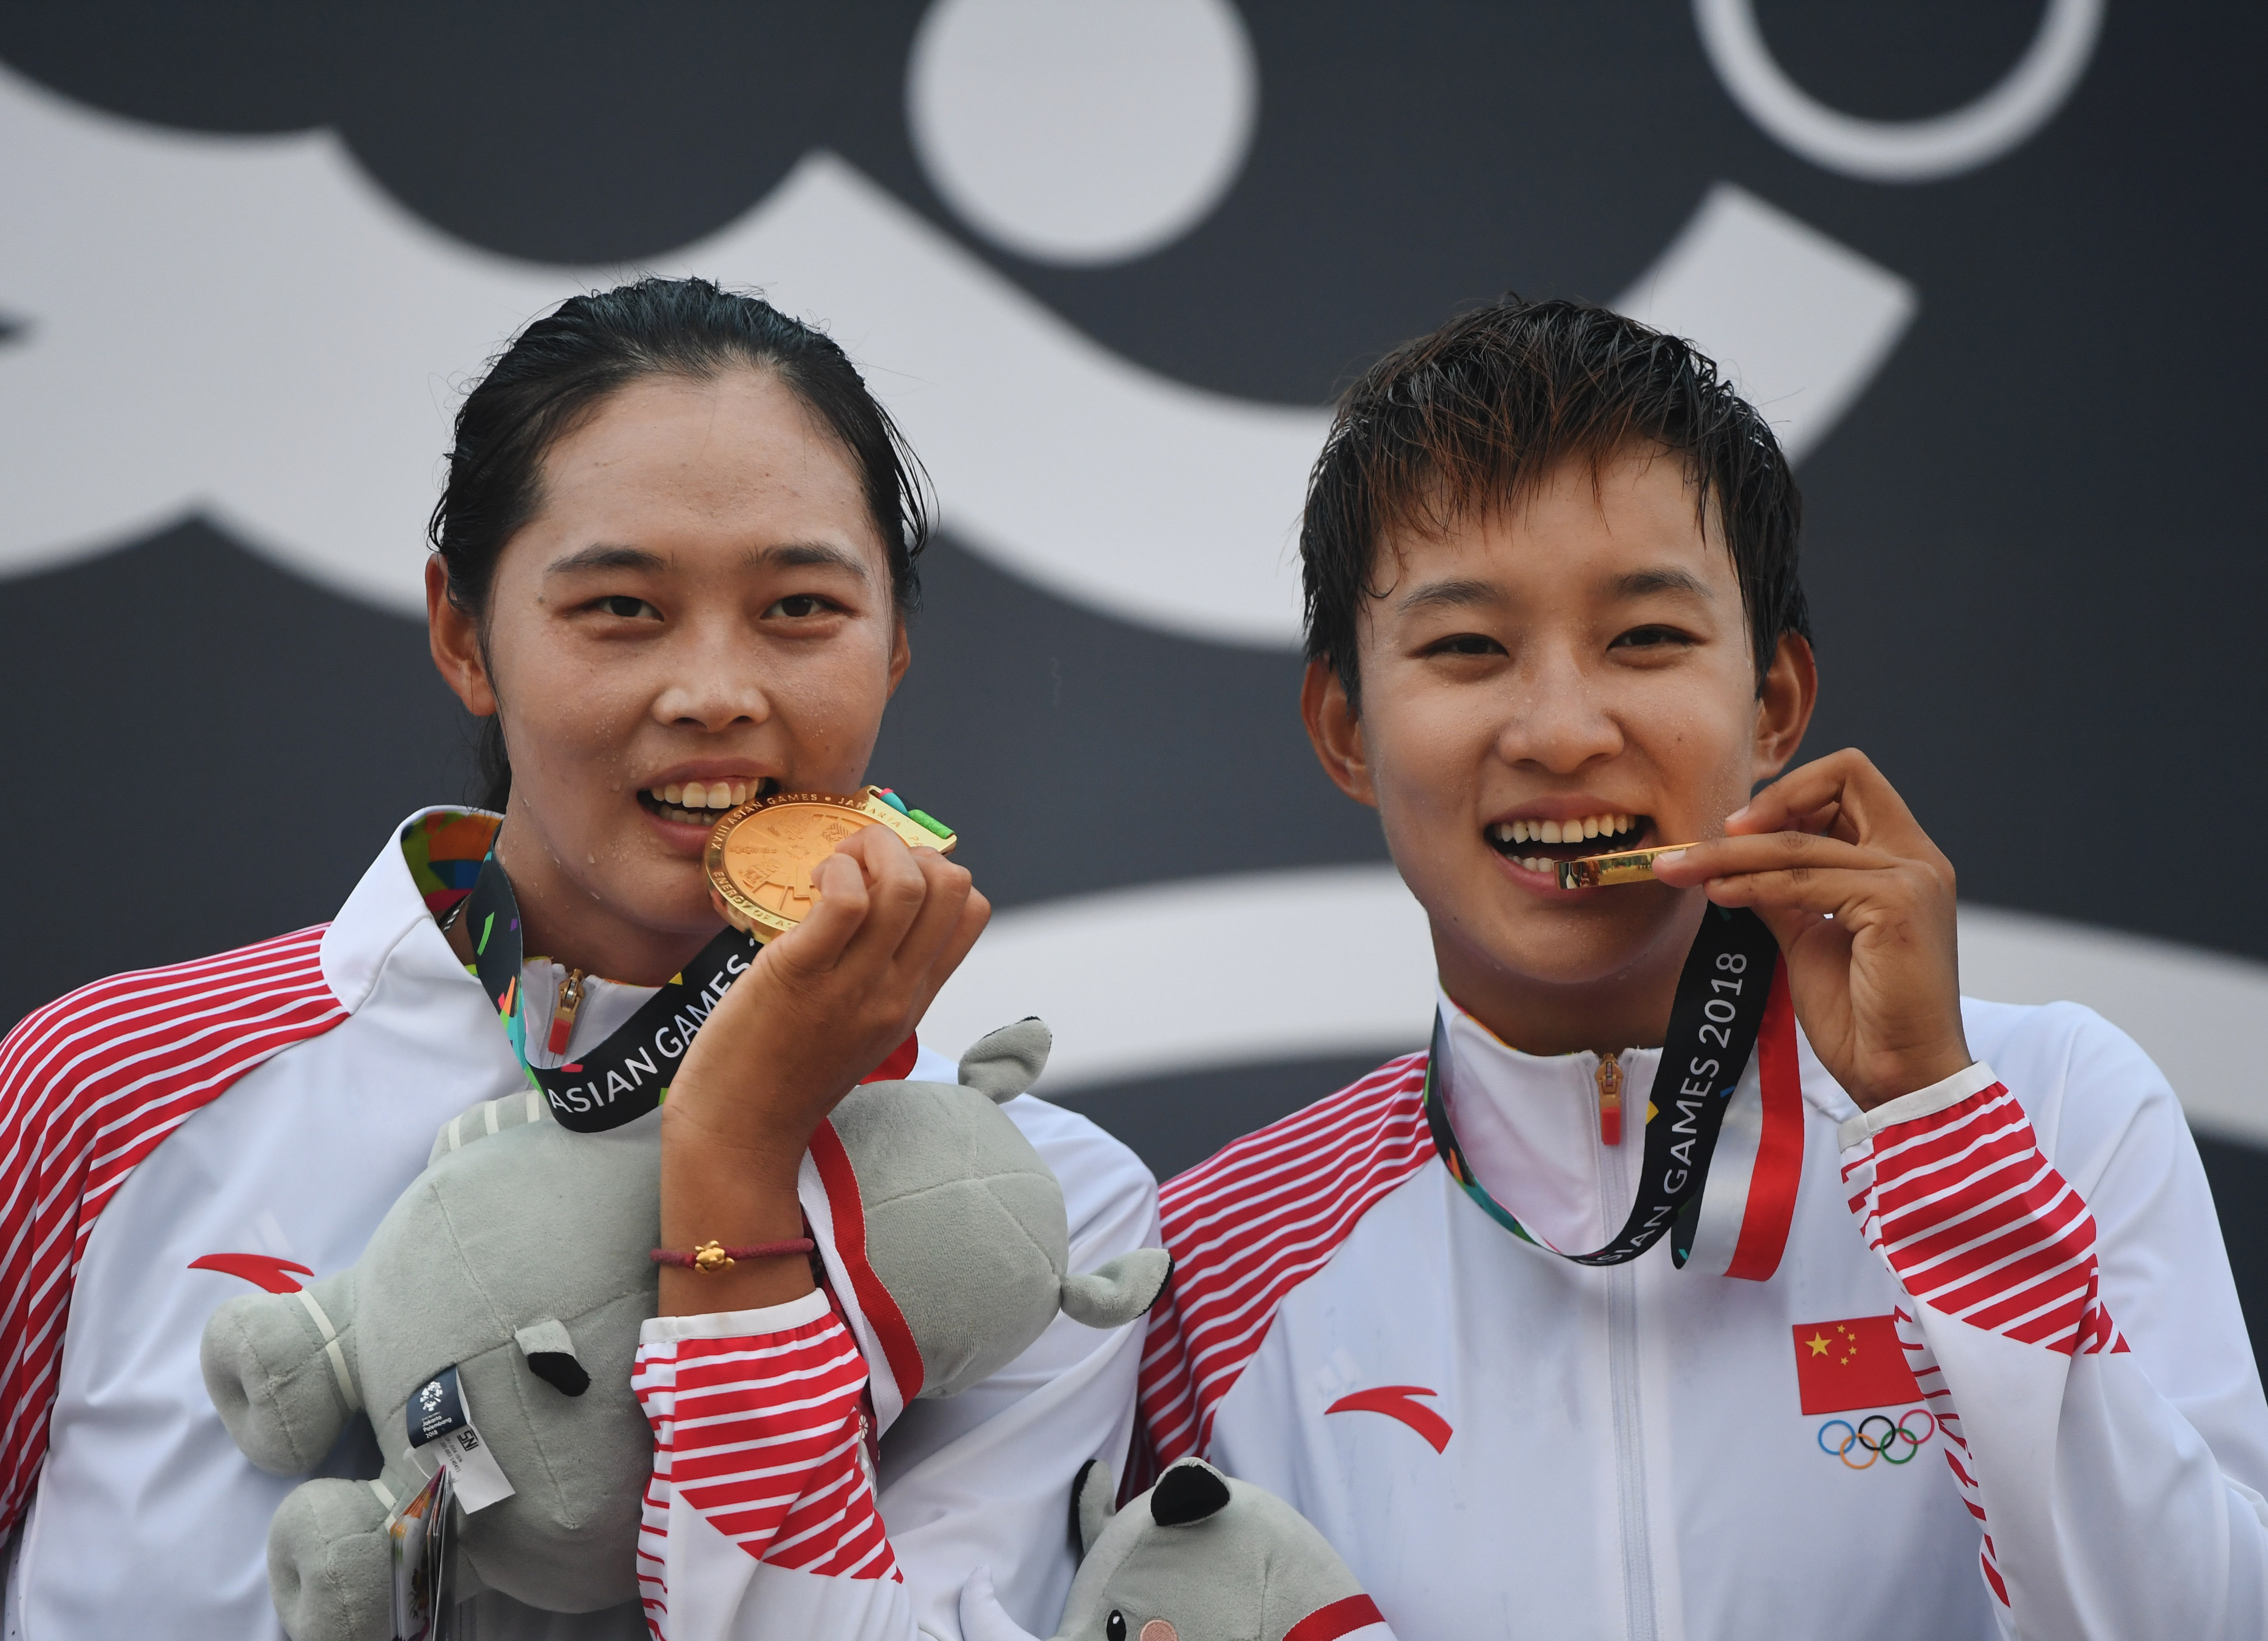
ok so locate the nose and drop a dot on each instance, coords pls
(715, 683)
(1559, 720)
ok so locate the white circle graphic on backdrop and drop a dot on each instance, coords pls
(1901, 151)
(1082, 131)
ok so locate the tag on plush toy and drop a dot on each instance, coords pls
(418, 1536)
(440, 1417)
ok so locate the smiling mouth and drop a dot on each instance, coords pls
(703, 802)
(1540, 845)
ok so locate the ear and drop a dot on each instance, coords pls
(455, 637)
(1116, 1291)
(1091, 1497)
(551, 1356)
(1002, 1064)
(901, 653)
(1784, 706)
(1191, 1490)
(1335, 732)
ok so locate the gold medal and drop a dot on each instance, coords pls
(1624, 866)
(761, 855)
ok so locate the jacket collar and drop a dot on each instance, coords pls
(1528, 1125)
(385, 922)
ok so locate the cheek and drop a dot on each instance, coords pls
(560, 708)
(837, 695)
(1704, 748)
(1429, 749)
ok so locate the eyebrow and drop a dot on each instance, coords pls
(1453, 594)
(1661, 578)
(605, 555)
(809, 555)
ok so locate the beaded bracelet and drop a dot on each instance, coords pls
(710, 1256)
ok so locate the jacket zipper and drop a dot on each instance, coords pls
(1623, 1378)
(562, 1013)
(1610, 1100)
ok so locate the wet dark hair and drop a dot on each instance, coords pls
(563, 365)
(1478, 412)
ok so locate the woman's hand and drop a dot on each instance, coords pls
(820, 1008)
(1862, 905)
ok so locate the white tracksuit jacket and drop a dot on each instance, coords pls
(1504, 1443)
(168, 1136)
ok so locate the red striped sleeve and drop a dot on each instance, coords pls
(1252, 1224)
(88, 1086)
(1975, 1221)
(1953, 1190)
(765, 1438)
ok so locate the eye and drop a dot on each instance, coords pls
(1465, 644)
(627, 608)
(1650, 637)
(798, 607)
(1115, 1626)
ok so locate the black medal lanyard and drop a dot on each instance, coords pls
(1714, 1020)
(626, 1076)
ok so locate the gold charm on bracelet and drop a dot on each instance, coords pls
(1624, 866)
(761, 857)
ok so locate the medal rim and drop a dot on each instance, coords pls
(870, 807)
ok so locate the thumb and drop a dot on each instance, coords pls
(817, 942)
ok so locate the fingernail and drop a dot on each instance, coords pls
(1669, 859)
(1736, 814)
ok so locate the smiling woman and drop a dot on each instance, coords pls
(674, 562)
(697, 592)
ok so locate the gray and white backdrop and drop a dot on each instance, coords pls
(1991, 267)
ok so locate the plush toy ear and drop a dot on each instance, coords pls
(1116, 1291)
(1191, 1490)
(1002, 1064)
(1091, 1496)
(551, 1357)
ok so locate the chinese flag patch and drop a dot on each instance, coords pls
(1855, 1362)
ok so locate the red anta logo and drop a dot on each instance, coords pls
(1394, 1401)
(263, 1270)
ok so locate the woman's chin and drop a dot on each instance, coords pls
(1599, 944)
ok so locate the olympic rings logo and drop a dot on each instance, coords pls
(1884, 1444)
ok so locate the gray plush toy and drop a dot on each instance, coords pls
(520, 1256)
(1199, 1557)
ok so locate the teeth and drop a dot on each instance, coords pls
(697, 795)
(1583, 831)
